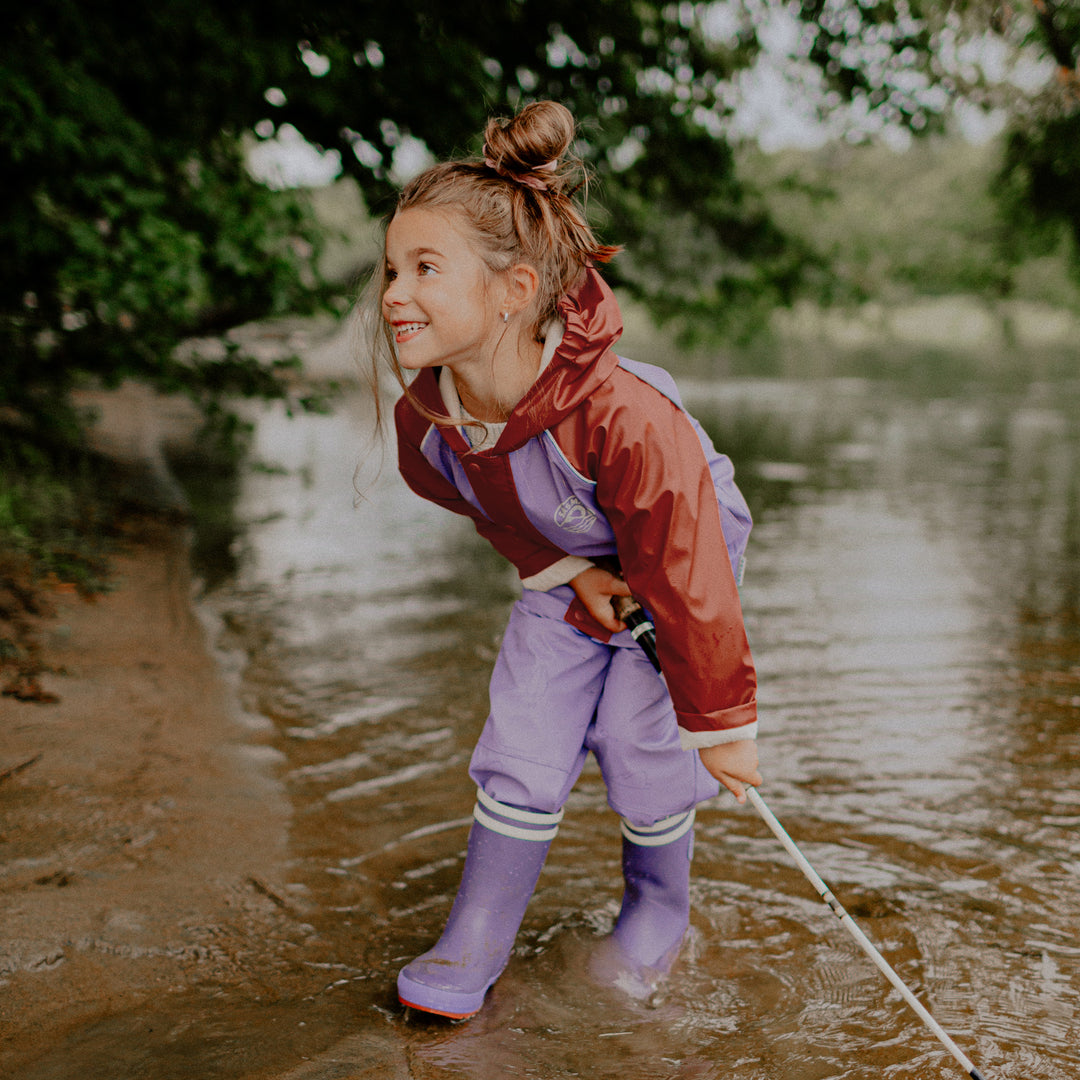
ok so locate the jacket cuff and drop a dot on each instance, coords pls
(731, 724)
(699, 740)
(559, 573)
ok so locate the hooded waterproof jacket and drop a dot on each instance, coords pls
(599, 459)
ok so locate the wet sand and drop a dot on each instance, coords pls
(142, 837)
(150, 924)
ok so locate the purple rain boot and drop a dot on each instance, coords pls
(507, 848)
(655, 913)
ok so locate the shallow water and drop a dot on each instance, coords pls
(913, 601)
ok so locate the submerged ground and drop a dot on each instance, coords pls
(249, 807)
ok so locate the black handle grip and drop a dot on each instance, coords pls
(639, 625)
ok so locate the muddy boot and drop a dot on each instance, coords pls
(507, 847)
(655, 913)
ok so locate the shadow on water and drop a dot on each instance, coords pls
(912, 600)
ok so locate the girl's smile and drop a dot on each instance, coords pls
(406, 331)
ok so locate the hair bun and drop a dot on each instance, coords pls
(529, 148)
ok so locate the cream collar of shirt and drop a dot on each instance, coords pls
(485, 436)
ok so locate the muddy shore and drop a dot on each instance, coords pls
(150, 924)
(142, 835)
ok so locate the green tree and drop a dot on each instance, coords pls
(907, 62)
(131, 220)
(1040, 180)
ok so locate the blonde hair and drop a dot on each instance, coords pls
(518, 205)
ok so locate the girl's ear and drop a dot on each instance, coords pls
(522, 283)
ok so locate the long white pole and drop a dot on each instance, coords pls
(863, 941)
(631, 612)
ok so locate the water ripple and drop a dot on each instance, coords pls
(377, 783)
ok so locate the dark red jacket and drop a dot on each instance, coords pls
(600, 459)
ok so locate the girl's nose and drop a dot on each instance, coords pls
(392, 294)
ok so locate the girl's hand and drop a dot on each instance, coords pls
(733, 764)
(595, 587)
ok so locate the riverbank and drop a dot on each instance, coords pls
(143, 837)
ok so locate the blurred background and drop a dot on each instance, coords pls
(852, 232)
(827, 188)
(844, 173)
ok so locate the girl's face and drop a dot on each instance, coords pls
(437, 297)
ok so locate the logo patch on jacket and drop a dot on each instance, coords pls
(574, 516)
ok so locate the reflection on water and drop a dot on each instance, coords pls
(912, 600)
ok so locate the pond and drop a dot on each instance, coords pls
(913, 601)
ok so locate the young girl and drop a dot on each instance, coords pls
(585, 471)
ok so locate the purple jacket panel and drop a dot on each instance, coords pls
(441, 457)
(561, 503)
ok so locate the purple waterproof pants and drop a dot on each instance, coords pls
(556, 694)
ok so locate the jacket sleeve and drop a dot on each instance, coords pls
(528, 557)
(654, 485)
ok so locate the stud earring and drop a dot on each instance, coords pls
(506, 316)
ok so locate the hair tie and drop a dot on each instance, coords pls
(534, 182)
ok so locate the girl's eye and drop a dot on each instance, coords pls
(390, 276)
(427, 268)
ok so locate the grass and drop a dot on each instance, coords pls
(62, 514)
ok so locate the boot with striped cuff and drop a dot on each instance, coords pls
(655, 913)
(507, 848)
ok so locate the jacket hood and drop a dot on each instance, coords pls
(584, 359)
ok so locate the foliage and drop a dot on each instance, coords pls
(1039, 184)
(55, 518)
(132, 222)
(905, 61)
(57, 524)
(130, 219)
(895, 226)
